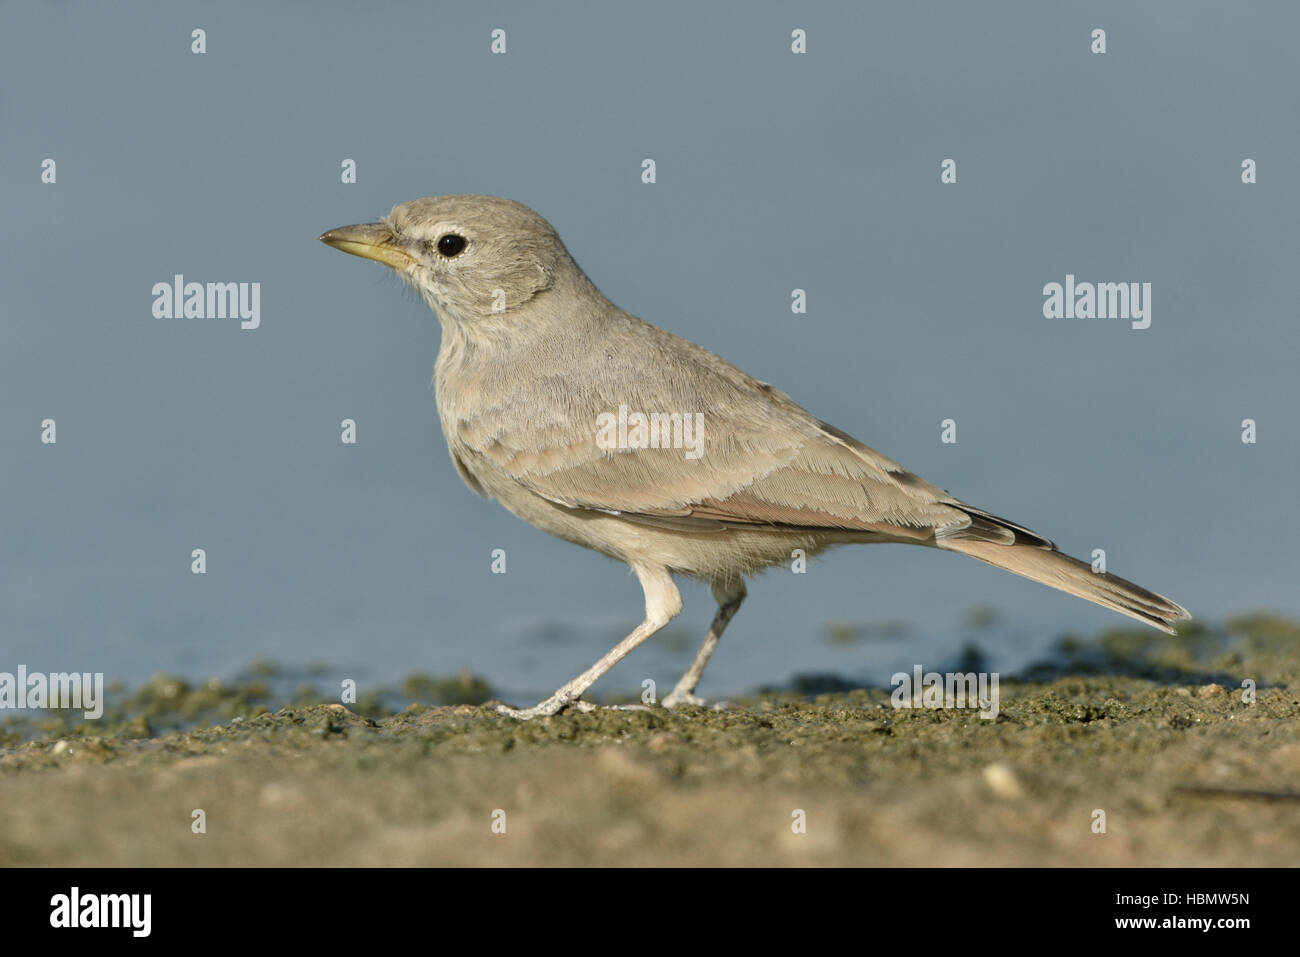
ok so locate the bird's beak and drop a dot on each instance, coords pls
(370, 241)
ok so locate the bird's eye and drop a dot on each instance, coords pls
(451, 245)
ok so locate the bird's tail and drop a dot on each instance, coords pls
(1008, 546)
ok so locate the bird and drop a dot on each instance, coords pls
(544, 387)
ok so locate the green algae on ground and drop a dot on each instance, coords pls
(1157, 734)
(170, 703)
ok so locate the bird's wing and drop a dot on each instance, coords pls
(762, 460)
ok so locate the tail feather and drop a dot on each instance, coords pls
(1050, 567)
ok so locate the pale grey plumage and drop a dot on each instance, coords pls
(532, 353)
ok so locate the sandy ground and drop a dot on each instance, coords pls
(1153, 732)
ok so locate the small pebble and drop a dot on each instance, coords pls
(1002, 781)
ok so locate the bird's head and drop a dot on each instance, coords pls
(470, 257)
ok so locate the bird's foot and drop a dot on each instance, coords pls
(555, 704)
(561, 702)
(679, 696)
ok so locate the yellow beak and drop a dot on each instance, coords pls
(370, 241)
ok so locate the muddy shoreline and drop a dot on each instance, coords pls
(1156, 738)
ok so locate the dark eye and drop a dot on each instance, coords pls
(451, 245)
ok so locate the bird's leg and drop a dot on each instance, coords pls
(662, 604)
(729, 593)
